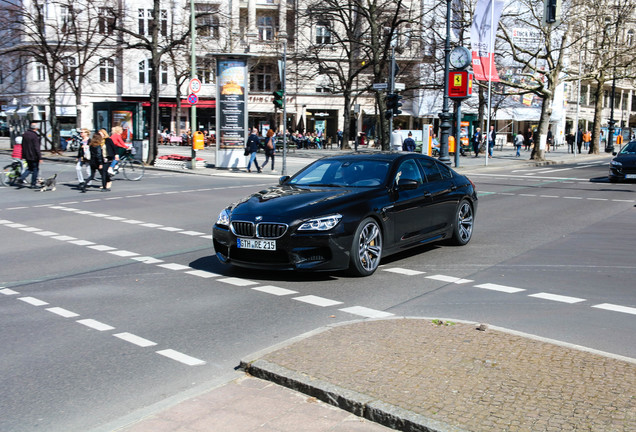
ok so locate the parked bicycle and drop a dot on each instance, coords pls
(11, 173)
(131, 168)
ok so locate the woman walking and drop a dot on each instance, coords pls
(270, 148)
(97, 157)
(110, 155)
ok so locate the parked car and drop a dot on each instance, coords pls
(347, 212)
(623, 166)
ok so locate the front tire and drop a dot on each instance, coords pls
(366, 248)
(133, 170)
(7, 178)
(463, 226)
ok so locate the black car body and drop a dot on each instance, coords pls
(623, 166)
(347, 212)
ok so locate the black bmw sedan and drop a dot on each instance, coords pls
(347, 212)
(623, 166)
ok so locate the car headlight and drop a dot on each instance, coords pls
(321, 224)
(224, 218)
(615, 163)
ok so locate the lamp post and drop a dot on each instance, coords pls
(609, 146)
(445, 116)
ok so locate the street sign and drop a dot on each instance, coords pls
(193, 99)
(399, 86)
(195, 85)
(380, 86)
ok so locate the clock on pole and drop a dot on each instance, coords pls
(460, 58)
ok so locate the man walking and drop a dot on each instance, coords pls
(31, 143)
(409, 144)
(397, 140)
(477, 141)
(251, 147)
(492, 134)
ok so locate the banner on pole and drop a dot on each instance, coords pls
(482, 38)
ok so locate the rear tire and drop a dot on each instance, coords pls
(463, 226)
(133, 170)
(7, 178)
(366, 248)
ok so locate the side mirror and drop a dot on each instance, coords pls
(407, 184)
(283, 180)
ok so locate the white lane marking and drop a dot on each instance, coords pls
(113, 198)
(597, 199)
(180, 357)
(203, 274)
(4, 221)
(174, 266)
(96, 325)
(151, 225)
(133, 221)
(501, 288)
(366, 312)
(616, 308)
(134, 339)
(558, 298)
(123, 253)
(115, 218)
(47, 233)
(16, 225)
(450, 279)
(92, 200)
(171, 229)
(147, 260)
(571, 197)
(64, 238)
(622, 200)
(527, 195)
(69, 209)
(33, 301)
(207, 236)
(192, 233)
(403, 271)
(237, 281)
(30, 229)
(63, 312)
(317, 301)
(277, 291)
(548, 196)
(102, 248)
(17, 208)
(8, 291)
(99, 215)
(82, 242)
(84, 212)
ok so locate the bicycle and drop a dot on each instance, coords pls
(11, 173)
(131, 168)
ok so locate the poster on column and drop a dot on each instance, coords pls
(232, 81)
(482, 38)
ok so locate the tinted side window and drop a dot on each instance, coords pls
(431, 170)
(444, 171)
(409, 170)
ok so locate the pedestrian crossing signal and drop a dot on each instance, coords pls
(278, 99)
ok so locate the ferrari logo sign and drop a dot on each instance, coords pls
(460, 84)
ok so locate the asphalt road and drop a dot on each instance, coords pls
(113, 302)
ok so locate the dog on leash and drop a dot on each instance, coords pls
(47, 184)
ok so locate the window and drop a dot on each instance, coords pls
(323, 84)
(106, 21)
(106, 70)
(207, 20)
(67, 19)
(265, 25)
(40, 72)
(146, 21)
(409, 171)
(205, 71)
(323, 34)
(69, 67)
(630, 38)
(145, 72)
(261, 78)
(431, 169)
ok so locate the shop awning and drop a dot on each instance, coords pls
(10, 111)
(24, 110)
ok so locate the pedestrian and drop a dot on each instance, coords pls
(270, 148)
(519, 140)
(31, 144)
(527, 139)
(569, 138)
(579, 139)
(477, 141)
(120, 145)
(251, 148)
(397, 140)
(83, 168)
(409, 143)
(340, 135)
(587, 138)
(97, 159)
(110, 154)
(550, 139)
(492, 134)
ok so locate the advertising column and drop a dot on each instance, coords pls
(231, 114)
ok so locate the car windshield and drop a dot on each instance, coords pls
(343, 173)
(630, 148)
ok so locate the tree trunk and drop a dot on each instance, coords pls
(595, 145)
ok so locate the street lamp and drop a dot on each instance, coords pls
(609, 146)
(445, 116)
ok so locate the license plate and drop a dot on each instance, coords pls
(256, 244)
(630, 176)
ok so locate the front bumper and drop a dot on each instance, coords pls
(307, 251)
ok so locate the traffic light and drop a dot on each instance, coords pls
(551, 11)
(393, 104)
(278, 99)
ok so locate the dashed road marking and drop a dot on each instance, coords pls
(317, 301)
(82, 242)
(616, 308)
(500, 288)
(450, 279)
(102, 248)
(237, 281)
(173, 266)
(180, 357)
(147, 260)
(96, 325)
(134, 339)
(203, 274)
(277, 291)
(47, 233)
(403, 271)
(123, 253)
(557, 298)
(63, 312)
(33, 301)
(64, 238)
(8, 291)
(366, 312)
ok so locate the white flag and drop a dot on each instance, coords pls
(482, 38)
